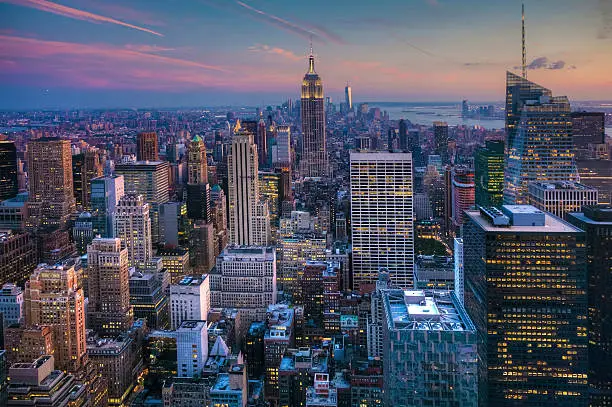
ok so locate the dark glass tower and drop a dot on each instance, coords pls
(314, 157)
(9, 186)
(441, 140)
(526, 292)
(596, 221)
(489, 173)
(539, 143)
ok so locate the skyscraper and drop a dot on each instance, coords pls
(462, 193)
(85, 167)
(149, 179)
(248, 216)
(489, 173)
(147, 149)
(382, 218)
(198, 192)
(51, 199)
(191, 347)
(348, 97)
(132, 225)
(281, 153)
(596, 221)
(403, 135)
(526, 292)
(539, 143)
(441, 140)
(105, 195)
(53, 297)
(314, 156)
(9, 186)
(561, 198)
(109, 312)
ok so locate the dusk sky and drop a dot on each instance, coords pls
(170, 53)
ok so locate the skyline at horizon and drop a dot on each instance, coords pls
(147, 56)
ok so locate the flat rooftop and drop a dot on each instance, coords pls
(417, 311)
(561, 185)
(552, 224)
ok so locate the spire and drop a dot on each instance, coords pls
(311, 69)
(524, 49)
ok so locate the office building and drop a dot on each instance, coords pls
(132, 225)
(51, 200)
(105, 195)
(539, 143)
(174, 225)
(149, 179)
(561, 198)
(13, 212)
(190, 299)
(148, 294)
(293, 253)
(176, 263)
(434, 273)
(38, 383)
(270, 191)
(366, 383)
(9, 186)
(231, 388)
(596, 221)
(280, 335)
(382, 218)
(202, 247)
(198, 192)
(281, 152)
(255, 348)
(219, 218)
(459, 284)
(441, 141)
(245, 278)
(85, 167)
(463, 193)
(249, 222)
(588, 128)
(18, 256)
(191, 347)
(109, 312)
(11, 304)
(526, 291)
(597, 174)
(314, 152)
(422, 367)
(147, 147)
(296, 373)
(25, 344)
(53, 297)
(82, 232)
(348, 97)
(489, 173)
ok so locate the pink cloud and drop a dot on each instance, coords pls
(267, 49)
(77, 14)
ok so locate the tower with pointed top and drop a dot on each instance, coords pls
(314, 155)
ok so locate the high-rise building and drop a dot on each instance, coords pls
(189, 299)
(270, 190)
(174, 225)
(314, 152)
(348, 97)
(219, 218)
(489, 173)
(249, 221)
(198, 192)
(410, 319)
(132, 225)
(191, 347)
(53, 297)
(526, 292)
(176, 262)
(230, 389)
(588, 128)
(293, 253)
(462, 193)
(85, 167)
(13, 212)
(459, 270)
(18, 257)
(561, 198)
(539, 143)
(51, 200)
(147, 149)
(148, 294)
(109, 312)
(382, 218)
(441, 140)
(9, 186)
(11, 304)
(82, 232)
(149, 179)
(202, 248)
(245, 278)
(281, 152)
(105, 195)
(596, 221)
(279, 336)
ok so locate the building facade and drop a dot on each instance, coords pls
(561, 198)
(132, 225)
(314, 152)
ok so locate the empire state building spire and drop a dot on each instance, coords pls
(314, 157)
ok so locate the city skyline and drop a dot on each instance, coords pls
(82, 54)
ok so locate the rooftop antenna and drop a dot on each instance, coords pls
(524, 48)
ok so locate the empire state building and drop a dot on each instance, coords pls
(314, 157)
